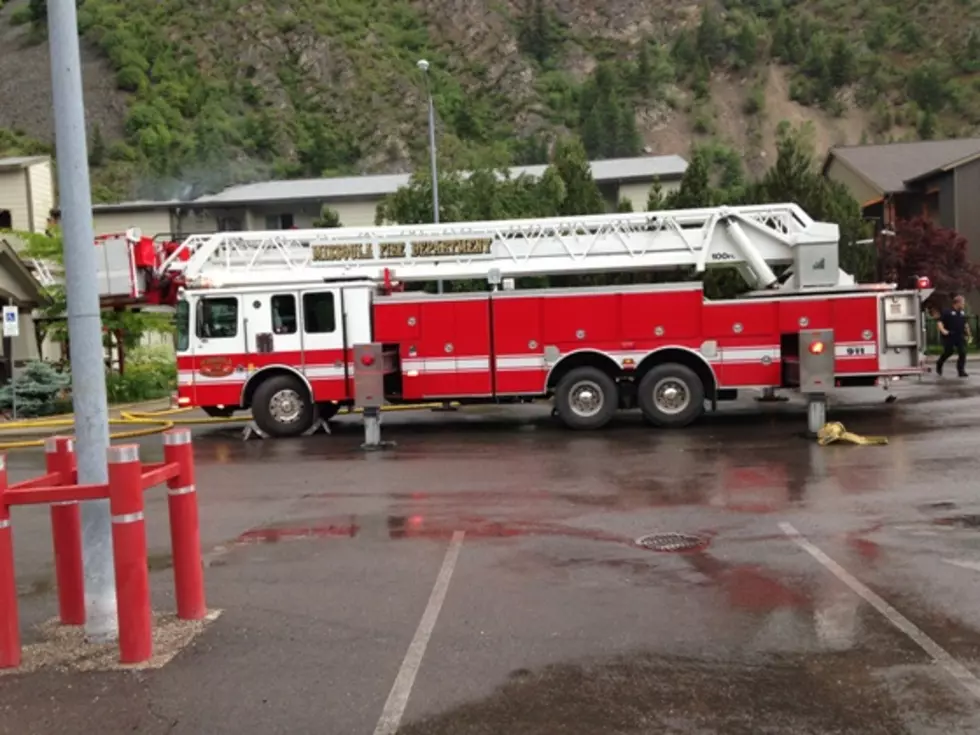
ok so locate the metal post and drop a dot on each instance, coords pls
(84, 319)
(816, 412)
(66, 532)
(13, 382)
(129, 545)
(185, 532)
(9, 616)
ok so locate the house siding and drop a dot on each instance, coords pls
(151, 221)
(967, 205)
(947, 200)
(859, 188)
(13, 198)
(40, 179)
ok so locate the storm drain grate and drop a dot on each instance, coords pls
(671, 542)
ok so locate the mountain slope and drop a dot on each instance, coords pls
(231, 90)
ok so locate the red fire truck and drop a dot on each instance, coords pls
(296, 324)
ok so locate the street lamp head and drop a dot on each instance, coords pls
(423, 65)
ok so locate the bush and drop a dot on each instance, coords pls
(40, 390)
(149, 374)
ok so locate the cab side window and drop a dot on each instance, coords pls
(284, 314)
(319, 315)
(217, 317)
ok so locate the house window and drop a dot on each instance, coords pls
(279, 221)
(6, 221)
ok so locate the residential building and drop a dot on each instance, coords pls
(297, 203)
(936, 178)
(26, 193)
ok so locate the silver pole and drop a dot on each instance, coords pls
(424, 66)
(84, 320)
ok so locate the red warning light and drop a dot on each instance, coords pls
(367, 360)
(816, 348)
(923, 282)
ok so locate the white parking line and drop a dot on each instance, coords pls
(391, 716)
(964, 563)
(953, 667)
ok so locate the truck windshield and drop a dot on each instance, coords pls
(183, 318)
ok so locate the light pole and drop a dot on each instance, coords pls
(423, 66)
(88, 391)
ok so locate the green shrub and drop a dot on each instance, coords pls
(148, 374)
(21, 16)
(39, 390)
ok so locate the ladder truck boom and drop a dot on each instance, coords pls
(751, 238)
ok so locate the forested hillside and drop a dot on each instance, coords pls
(186, 97)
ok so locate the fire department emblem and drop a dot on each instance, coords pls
(216, 367)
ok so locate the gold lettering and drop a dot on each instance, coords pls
(327, 253)
(451, 247)
(393, 250)
(332, 252)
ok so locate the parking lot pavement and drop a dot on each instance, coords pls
(484, 577)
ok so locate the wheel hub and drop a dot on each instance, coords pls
(671, 396)
(286, 406)
(585, 399)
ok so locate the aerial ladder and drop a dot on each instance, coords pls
(754, 239)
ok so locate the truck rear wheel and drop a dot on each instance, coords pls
(586, 398)
(282, 407)
(671, 395)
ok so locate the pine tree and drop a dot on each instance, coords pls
(97, 148)
(695, 189)
(582, 195)
(655, 199)
(328, 218)
(38, 391)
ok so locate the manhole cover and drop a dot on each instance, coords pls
(670, 542)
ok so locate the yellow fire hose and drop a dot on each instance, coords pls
(153, 422)
(835, 432)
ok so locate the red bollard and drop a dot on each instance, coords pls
(9, 616)
(66, 531)
(130, 556)
(185, 532)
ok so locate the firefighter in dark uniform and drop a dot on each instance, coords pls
(955, 333)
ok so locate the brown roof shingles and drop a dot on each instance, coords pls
(889, 166)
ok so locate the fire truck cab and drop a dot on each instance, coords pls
(287, 324)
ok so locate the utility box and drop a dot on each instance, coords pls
(369, 375)
(816, 360)
(817, 265)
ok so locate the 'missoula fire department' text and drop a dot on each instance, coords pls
(394, 250)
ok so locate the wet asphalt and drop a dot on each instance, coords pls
(554, 620)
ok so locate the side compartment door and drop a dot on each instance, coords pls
(324, 358)
(220, 361)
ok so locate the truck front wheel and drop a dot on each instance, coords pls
(586, 398)
(671, 395)
(282, 407)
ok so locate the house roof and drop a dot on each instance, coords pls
(32, 292)
(354, 187)
(890, 167)
(21, 162)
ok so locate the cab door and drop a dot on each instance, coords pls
(219, 361)
(272, 329)
(323, 343)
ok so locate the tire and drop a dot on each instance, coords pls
(328, 409)
(282, 407)
(218, 413)
(681, 408)
(572, 401)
